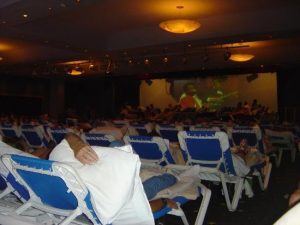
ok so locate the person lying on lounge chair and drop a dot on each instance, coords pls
(87, 156)
(106, 172)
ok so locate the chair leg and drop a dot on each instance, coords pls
(179, 212)
(184, 219)
(267, 176)
(23, 207)
(226, 194)
(237, 193)
(5, 192)
(71, 217)
(248, 188)
(206, 194)
(238, 187)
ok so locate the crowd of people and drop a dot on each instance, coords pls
(243, 114)
(173, 113)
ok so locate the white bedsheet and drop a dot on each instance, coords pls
(114, 183)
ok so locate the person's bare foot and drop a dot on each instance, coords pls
(159, 204)
(171, 204)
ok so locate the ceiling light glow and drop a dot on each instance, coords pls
(180, 26)
(241, 57)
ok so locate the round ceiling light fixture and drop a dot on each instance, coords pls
(1, 58)
(241, 57)
(180, 26)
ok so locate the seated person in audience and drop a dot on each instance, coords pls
(11, 148)
(251, 156)
(21, 144)
(116, 132)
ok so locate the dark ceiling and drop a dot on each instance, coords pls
(118, 35)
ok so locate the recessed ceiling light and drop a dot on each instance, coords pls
(1, 58)
(49, 8)
(147, 61)
(25, 15)
(5, 47)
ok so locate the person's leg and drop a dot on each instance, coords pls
(155, 184)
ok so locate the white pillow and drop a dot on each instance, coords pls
(110, 180)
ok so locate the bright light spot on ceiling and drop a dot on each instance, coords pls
(167, 8)
(4, 46)
(180, 26)
(74, 62)
(241, 57)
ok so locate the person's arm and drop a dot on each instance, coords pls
(83, 152)
(295, 197)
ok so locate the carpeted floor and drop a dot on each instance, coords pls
(263, 209)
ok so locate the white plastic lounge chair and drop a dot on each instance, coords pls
(211, 151)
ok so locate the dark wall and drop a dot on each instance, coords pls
(23, 95)
(104, 96)
(100, 96)
(288, 84)
(84, 96)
